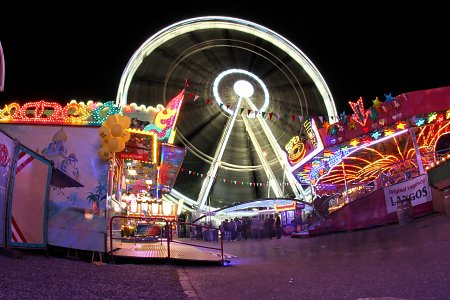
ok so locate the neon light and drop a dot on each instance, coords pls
(354, 142)
(239, 71)
(43, 112)
(165, 120)
(313, 153)
(362, 147)
(431, 117)
(401, 125)
(235, 25)
(310, 132)
(286, 207)
(102, 112)
(296, 150)
(360, 115)
(376, 134)
(389, 132)
(420, 121)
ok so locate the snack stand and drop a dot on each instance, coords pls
(86, 152)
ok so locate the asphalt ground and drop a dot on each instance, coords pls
(410, 261)
(395, 261)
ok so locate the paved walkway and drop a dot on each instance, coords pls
(390, 262)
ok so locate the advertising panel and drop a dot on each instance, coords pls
(171, 159)
(416, 190)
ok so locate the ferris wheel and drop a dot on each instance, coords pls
(244, 83)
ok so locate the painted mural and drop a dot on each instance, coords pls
(77, 201)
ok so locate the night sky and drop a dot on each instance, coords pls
(63, 50)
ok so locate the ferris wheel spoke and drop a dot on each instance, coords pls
(207, 183)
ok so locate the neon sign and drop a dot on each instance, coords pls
(296, 150)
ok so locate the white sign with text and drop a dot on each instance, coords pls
(417, 190)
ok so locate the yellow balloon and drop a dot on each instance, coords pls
(105, 141)
(121, 146)
(124, 121)
(112, 145)
(116, 130)
(111, 121)
(125, 135)
(104, 132)
(103, 153)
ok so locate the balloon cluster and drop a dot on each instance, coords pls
(114, 135)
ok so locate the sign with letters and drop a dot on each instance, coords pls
(416, 190)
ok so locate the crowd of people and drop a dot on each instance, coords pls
(256, 228)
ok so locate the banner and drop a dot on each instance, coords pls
(171, 159)
(416, 190)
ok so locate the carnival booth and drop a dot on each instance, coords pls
(67, 170)
(291, 216)
(370, 168)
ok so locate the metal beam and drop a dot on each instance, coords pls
(281, 157)
(267, 169)
(210, 177)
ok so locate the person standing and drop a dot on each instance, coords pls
(278, 231)
(239, 229)
(268, 227)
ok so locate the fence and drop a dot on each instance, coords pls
(164, 234)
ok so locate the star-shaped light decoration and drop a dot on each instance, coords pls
(376, 103)
(388, 132)
(420, 121)
(344, 147)
(354, 142)
(401, 125)
(360, 115)
(376, 134)
(431, 117)
(389, 97)
(440, 118)
(447, 114)
(366, 140)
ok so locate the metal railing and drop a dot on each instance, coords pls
(166, 232)
(135, 238)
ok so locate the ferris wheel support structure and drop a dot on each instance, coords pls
(296, 186)
(209, 180)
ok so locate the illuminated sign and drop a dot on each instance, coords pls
(296, 150)
(171, 159)
(292, 206)
(310, 132)
(140, 146)
(314, 140)
(285, 207)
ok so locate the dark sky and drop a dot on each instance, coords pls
(63, 50)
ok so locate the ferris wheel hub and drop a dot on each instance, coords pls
(243, 88)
